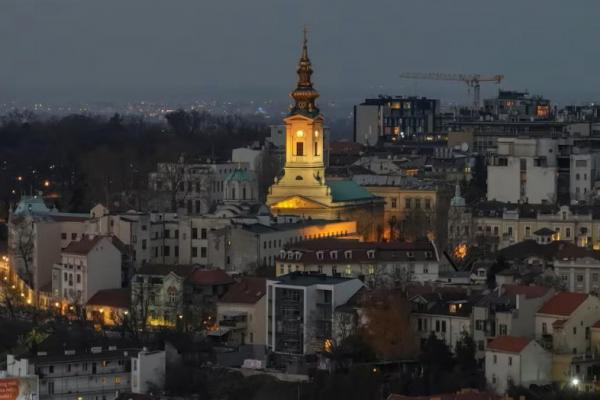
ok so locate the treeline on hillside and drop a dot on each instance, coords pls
(88, 158)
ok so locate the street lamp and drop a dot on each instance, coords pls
(575, 381)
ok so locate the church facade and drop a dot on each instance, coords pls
(303, 189)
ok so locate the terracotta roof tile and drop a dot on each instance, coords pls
(249, 290)
(83, 246)
(563, 303)
(210, 277)
(508, 344)
(116, 298)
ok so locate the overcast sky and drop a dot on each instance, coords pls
(131, 48)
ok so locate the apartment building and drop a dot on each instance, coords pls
(87, 265)
(375, 263)
(241, 312)
(523, 170)
(300, 311)
(516, 360)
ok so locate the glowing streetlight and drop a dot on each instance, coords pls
(19, 178)
(46, 183)
(575, 381)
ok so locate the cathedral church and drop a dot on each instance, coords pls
(303, 189)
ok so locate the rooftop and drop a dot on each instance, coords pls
(509, 344)
(303, 279)
(563, 303)
(348, 190)
(115, 298)
(248, 291)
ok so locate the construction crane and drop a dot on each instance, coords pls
(472, 80)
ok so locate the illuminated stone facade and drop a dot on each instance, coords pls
(303, 190)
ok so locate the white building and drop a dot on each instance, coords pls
(448, 316)
(241, 312)
(562, 324)
(579, 270)
(36, 235)
(516, 360)
(377, 263)
(94, 374)
(583, 175)
(509, 310)
(245, 246)
(148, 371)
(87, 266)
(300, 311)
(523, 170)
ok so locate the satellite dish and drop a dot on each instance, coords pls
(464, 146)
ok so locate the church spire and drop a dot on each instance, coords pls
(304, 95)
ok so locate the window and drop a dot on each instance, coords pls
(503, 329)
(444, 326)
(167, 233)
(51, 387)
(144, 243)
(203, 233)
(66, 275)
(495, 359)
(407, 203)
(73, 236)
(194, 252)
(394, 202)
(568, 233)
(203, 252)
(117, 380)
(176, 251)
(316, 148)
(166, 251)
(78, 278)
(63, 236)
(299, 148)
(544, 328)
(51, 369)
(194, 233)
(574, 330)
(417, 203)
(428, 204)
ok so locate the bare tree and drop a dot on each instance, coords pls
(23, 248)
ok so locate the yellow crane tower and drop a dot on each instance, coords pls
(472, 80)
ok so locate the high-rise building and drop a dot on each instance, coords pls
(389, 119)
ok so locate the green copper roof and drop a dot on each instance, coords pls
(348, 191)
(238, 175)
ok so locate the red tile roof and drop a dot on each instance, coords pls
(249, 290)
(116, 298)
(83, 246)
(334, 251)
(86, 244)
(210, 277)
(563, 303)
(529, 291)
(508, 344)
(596, 325)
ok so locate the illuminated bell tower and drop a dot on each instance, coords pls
(304, 170)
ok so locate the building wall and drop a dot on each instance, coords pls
(148, 371)
(256, 318)
(103, 269)
(581, 275)
(500, 368)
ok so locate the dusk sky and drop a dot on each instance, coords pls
(120, 49)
